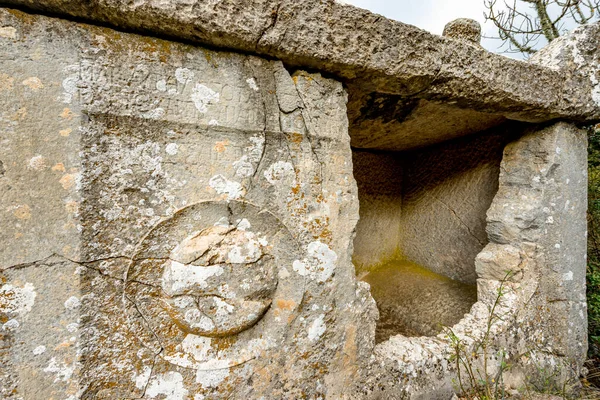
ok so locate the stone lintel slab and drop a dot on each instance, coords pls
(367, 51)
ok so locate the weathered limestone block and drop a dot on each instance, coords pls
(536, 256)
(364, 49)
(176, 222)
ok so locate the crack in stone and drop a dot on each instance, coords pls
(310, 133)
(272, 23)
(150, 376)
(162, 347)
(460, 220)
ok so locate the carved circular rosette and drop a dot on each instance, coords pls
(205, 286)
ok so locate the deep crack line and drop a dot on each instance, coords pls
(460, 220)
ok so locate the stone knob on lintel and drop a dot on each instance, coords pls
(464, 29)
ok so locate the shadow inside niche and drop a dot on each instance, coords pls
(427, 205)
(429, 300)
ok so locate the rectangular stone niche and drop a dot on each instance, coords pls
(422, 223)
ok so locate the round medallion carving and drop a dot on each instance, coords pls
(204, 287)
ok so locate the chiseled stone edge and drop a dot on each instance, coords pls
(357, 46)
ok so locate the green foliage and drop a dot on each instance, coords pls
(593, 265)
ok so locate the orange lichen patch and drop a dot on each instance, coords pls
(34, 83)
(286, 304)
(6, 82)
(221, 146)
(67, 114)
(72, 207)
(29, 19)
(18, 235)
(296, 137)
(63, 345)
(65, 132)
(223, 343)
(59, 167)
(209, 58)
(67, 181)
(22, 212)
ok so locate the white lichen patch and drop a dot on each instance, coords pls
(17, 301)
(39, 350)
(11, 325)
(37, 163)
(161, 85)
(72, 303)
(280, 171)
(184, 75)
(252, 83)
(169, 384)
(243, 224)
(203, 96)
(243, 168)
(141, 380)
(319, 263)
(70, 84)
(178, 277)
(62, 371)
(72, 327)
(172, 149)
(8, 32)
(222, 185)
(211, 379)
(317, 328)
(568, 276)
(247, 252)
(157, 113)
(197, 346)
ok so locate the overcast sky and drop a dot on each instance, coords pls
(432, 15)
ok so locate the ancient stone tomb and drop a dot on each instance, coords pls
(185, 222)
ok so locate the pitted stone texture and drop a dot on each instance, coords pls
(362, 48)
(463, 29)
(206, 200)
(575, 55)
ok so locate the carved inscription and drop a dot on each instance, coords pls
(159, 91)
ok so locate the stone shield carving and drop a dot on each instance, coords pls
(212, 286)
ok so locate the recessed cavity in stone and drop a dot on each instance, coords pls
(422, 223)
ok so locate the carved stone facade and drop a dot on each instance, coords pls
(182, 222)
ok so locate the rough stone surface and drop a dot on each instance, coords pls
(536, 228)
(448, 189)
(428, 206)
(362, 48)
(176, 221)
(463, 29)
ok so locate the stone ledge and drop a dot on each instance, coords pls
(367, 51)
